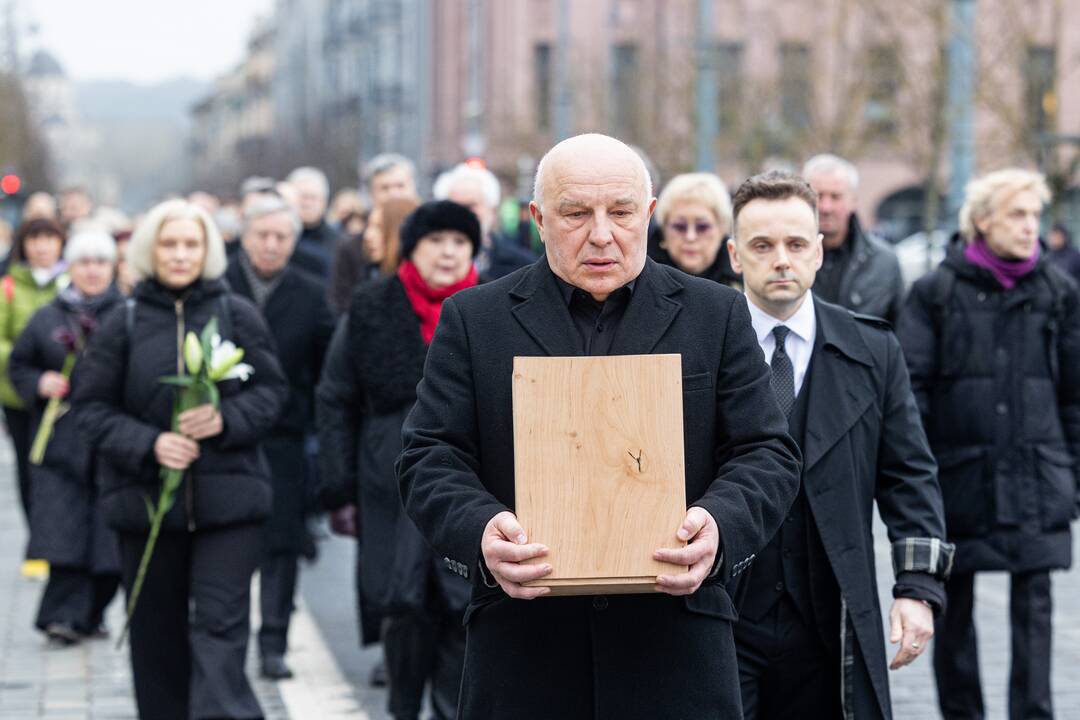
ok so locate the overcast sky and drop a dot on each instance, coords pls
(143, 41)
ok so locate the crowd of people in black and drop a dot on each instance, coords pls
(373, 392)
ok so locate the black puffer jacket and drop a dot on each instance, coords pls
(66, 524)
(1006, 435)
(122, 406)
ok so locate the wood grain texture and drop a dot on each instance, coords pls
(598, 461)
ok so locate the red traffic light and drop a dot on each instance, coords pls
(10, 184)
(476, 162)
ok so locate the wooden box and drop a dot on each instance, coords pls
(598, 463)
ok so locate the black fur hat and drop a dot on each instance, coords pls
(435, 216)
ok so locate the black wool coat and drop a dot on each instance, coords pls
(367, 388)
(597, 657)
(122, 406)
(1006, 435)
(67, 525)
(301, 324)
(865, 442)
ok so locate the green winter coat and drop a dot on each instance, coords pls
(20, 297)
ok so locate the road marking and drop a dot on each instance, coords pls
(317, 688)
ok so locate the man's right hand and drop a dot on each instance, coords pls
(175, 451)
(505, 547)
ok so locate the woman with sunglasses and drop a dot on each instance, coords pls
(694, 212)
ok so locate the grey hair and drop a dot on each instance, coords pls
(538, 180)
(700, 187)
(826, 164)
(140, 251)
(312, 175)
(270, 205)
(383, 162)
(982, 194)
(489, 184)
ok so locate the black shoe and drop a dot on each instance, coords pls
(378, 675)
(274, 668)
(62, 634)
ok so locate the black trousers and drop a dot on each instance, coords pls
(420, 647)
(189, 633)
(75, 598)
(785, 670)
(18, 425)
(956, 657)
(277, 587)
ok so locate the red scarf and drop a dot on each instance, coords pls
(426, 301)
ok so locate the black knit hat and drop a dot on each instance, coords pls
(435, 216)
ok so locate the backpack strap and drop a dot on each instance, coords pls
(1059, 291)
(225, 324)
(940, 297)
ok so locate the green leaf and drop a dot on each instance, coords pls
(213, 394)
(149, 507)
(184, 381)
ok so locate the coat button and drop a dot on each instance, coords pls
(856, 298)
(981, 296)
(1001, 409)
(599, 603)
(779, 587)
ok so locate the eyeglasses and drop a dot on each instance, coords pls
(699, 228)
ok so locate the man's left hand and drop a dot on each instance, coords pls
(700, 531)
(911, 624)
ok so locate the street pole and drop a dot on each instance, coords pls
(473, 143)
(961, 100)
(706, 89)
(563, 108)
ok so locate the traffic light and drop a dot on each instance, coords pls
(10, 184)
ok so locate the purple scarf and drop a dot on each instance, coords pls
(1006, 272)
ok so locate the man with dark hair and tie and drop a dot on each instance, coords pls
(809, 640)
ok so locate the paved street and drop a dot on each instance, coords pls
(93, 681)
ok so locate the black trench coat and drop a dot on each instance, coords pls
(301, 324)
(67, 522)
(630, 656)
(865, 442)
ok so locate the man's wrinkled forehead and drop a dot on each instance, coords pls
(584, 180)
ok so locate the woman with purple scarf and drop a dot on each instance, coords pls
(991, 339)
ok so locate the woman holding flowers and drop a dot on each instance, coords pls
(149, 436)
(367, 388)
(66, 527)
(34, 277)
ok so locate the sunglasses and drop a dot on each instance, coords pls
(699, 228)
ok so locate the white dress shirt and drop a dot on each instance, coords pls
(799, 345)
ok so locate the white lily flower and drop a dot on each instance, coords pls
(240, 371)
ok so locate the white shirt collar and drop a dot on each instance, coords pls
(803, 323)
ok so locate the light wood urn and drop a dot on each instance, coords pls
(598, 463)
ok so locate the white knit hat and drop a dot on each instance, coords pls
(93, 244)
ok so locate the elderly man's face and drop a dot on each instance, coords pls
(311, 202)
(595, 218)
(471, 195)
(396, 182)
(269, 242)
(836, 203)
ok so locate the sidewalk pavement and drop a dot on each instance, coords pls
(92, 681)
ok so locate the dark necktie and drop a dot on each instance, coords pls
(783, 372)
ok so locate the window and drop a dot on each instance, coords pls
(1040, 99)
(542, 90)
(728, 64)
(882, 86)
(795, 85)
(624, 90)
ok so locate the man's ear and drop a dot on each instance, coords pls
(733, 254)
(538, 218)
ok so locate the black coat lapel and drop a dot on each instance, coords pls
(840, 391)
(543, 313)
(649, 314)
